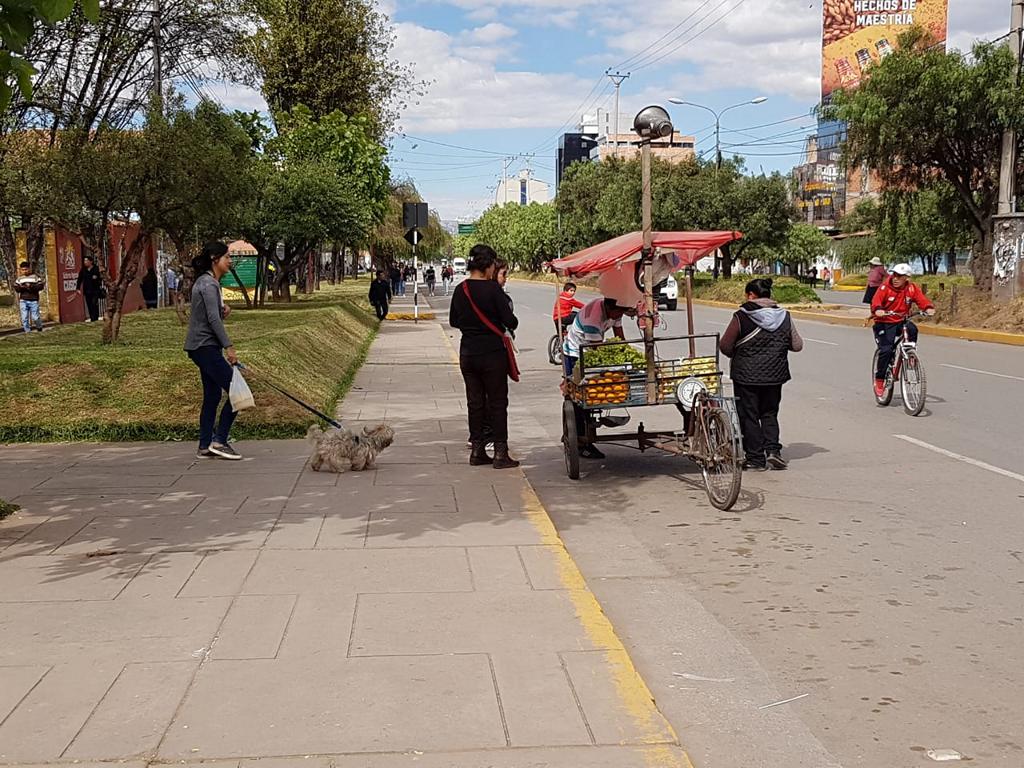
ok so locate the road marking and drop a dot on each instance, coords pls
(964, 459)
(987, 373)
(819, 341)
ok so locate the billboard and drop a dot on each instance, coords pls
(858, 33)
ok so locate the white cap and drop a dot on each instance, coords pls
(902, 269)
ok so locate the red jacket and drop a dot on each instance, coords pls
(564, 305)
(892, 300)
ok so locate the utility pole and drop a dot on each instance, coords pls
(158, 74)
(1008, 227)
(1007, 191)
(616, 77)
(505, 163)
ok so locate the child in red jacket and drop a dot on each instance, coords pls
(566, 306)
(890, 309)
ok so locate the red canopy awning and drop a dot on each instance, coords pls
(689, 246)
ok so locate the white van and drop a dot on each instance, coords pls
(459, 265)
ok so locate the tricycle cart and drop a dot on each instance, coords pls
(691, 381)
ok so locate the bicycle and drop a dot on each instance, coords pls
(555, 342)
(906, 367)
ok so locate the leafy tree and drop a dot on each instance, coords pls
(524, 235)
(804, 245)
(330, 55)
(387, 241)
(926, 114)
(18, 22)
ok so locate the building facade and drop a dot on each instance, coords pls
(522, 189)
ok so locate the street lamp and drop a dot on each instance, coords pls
(718, 120)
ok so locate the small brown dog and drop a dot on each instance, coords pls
(338, 450)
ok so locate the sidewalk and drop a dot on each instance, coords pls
(161, 609)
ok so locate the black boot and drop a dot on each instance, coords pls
(478, 455)
(501, 458)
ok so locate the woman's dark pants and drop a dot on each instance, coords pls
(216, 375)
(486, 378)
(758, 408)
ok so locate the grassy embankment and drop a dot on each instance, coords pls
(65, 385)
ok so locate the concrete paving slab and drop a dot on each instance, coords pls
(447, 529)
(220, 574)
(262, 485)
(392, 498)
(92, 481)
(47, 720)
(39, 578)
(660, 756)
(120, 505)
(497, 569)
(42, 539)
(343, 530)
(476, 622)
(160, 534)
(102, 631)
(254, 627)
(320, 626)
(272, 505)
(132, 716)
(16, 683)
(162, 577)
(295, 532)
(601, 681)
(538, 702)
(354, 571)
(293, 707)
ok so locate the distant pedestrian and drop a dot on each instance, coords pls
(447, 276)
(207, 343)
(149, 288)
(171, 279)
(826, 278)
(431, 278)
(759, 339)
(28, 285)
(90, 285)
(501, 276)
(480, 310)
(876, 276)
(408, 276)
(813, 272)
(380, 294)
(395, 276)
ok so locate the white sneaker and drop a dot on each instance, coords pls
(225, 451)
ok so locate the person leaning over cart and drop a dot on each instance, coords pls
(591, 324)
(759, 339)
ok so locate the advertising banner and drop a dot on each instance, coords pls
(859, 33)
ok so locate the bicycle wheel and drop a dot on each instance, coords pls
(717, 457)
(913, 384)
(555, 350)
(886, 397)
(570, 441)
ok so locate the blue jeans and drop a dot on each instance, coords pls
(30, 311)
(401, 287)
(216, 375)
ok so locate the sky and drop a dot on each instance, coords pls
(505, 78)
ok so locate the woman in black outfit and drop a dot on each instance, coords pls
(482, 356)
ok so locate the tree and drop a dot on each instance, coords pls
(330, 55)
(926, 115)
(18, 23)
(387, 241)
(523, 235)
(804, 245)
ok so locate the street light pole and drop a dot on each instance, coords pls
(718, 120)
(616, 78)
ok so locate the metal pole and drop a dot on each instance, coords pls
(647, 255)
(718, 143)
(689, 310)
(1007, 191)
(415, 280)
(616, 78)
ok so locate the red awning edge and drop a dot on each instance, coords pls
(690, 247)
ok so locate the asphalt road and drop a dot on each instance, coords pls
(877, 582)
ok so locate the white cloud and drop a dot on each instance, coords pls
(490, 33)
(468, 91)
(239, 97)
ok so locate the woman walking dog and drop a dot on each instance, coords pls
(207, 344)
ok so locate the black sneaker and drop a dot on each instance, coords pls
(776, 461)
(750, 466)
(204, 453)
(590, 452)
(225, 451)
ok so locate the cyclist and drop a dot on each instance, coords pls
(890, 309)
(565, 308)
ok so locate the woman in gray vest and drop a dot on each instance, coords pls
(759, 340)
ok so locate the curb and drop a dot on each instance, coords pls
(849, 288)
(947, 331)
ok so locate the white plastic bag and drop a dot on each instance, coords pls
(239, 393)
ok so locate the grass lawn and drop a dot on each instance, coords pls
(785, 290)
(65, 385)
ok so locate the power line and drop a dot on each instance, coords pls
(638, 54)
(452, 146)
(698, 33)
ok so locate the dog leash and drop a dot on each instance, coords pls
(296, 400)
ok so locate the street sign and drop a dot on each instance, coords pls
(467, 229)
(414, 215)
(413, 236)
